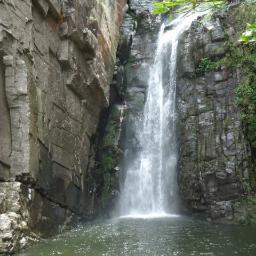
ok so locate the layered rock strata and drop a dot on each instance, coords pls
(214, 155)
(214, 162)
(56, 65)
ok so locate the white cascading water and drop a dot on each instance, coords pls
(150, 184)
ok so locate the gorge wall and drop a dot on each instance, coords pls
(56, 64)
(71, 93)
(215, 165)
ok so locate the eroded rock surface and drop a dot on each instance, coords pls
(14, 217)
(214, 155)
(56, 65)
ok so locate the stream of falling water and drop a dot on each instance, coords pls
(150, 184)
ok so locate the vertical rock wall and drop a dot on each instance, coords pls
(214, 155)
(56, 65)
(5, 130)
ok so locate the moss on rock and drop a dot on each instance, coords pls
(109, 157)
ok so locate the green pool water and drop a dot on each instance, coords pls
(180, 236)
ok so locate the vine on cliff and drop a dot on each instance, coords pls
(246, 91)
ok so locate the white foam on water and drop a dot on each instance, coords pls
(149, 216)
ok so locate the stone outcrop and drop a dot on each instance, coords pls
(214, 155)
(56, 66)
(14, 216)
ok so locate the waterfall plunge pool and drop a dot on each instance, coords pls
(173, 236)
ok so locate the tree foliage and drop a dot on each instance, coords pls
(246, 91)
(249, 36)
(181, 6)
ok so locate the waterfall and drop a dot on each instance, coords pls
(150, 185)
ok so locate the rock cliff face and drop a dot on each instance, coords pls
(56, 64)
(64, 121)
(214, 156)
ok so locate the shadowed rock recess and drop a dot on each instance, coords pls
(56, 65)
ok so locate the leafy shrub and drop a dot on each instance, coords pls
(246, 91)
(246, 100)
(249, 36)
(206, 65)
(184, 6)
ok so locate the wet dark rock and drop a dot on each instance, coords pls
(214, 155)
(216, 49)
(128, 92)
(139, 6)
(217, 32)
(128, 29)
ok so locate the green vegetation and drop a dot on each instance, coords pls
(184, 6)
(246, 211)
(243, 58)
(246, 95)
(109, 156)
(249, 36)
(251, 207)
(241, 55)
(246, 91)
(107, 163)
(206, 65)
